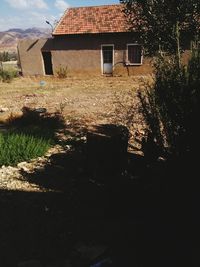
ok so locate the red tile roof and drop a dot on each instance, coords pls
(93, 19)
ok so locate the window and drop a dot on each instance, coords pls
(134, 54)
(107, 54)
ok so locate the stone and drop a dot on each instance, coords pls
(40, 110)
(4, 109)
(11, 178)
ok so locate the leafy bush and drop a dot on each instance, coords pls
(171, 106)
(8, 56)
(17, 147)
(8, 75)
(62, 72)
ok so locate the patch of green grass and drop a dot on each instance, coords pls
(28, 136)
(18, 147)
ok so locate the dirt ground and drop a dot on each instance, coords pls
(85, 101)
(48, 227)
(135, 217)
(92, 98)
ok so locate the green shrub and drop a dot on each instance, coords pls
(62, 72)
(8, 75)
(18, 147)
(170, 106)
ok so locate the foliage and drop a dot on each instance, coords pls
(7, 56)
(8, 75)
(62, 72)
(17, 147)
(171, 106)
(161, 23)
(29, 136)
(4, 56)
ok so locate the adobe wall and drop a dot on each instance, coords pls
(81, 54)
(30, 56)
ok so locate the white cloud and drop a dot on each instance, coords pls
(40, 4)
(27, 20)
(27, 4)
(61, 5)
(10, 22)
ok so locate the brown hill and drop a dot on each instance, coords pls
(10, 38)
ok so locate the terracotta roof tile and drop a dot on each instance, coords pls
(94, 19)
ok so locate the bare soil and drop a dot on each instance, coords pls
(81, 101)
(92, 99)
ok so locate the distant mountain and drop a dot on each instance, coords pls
(10, 38)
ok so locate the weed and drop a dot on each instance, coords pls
(62, 72)
(8, 75)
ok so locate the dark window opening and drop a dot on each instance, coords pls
(107, 54)
(134, 54)
(47, 63)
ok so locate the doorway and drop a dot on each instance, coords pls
(107, 58)
(47, 63)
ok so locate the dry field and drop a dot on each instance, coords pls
(85, 101)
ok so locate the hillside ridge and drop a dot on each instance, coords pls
(10, 38)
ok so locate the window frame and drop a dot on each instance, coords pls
(141, 58)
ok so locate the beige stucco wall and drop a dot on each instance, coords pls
(81, 54)
(30, 56)
(78, 61)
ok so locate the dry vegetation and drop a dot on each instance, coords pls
(84, 101)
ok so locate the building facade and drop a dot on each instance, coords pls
(86, 41)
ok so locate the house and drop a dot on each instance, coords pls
(91, 40)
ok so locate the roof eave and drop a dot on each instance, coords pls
(89, 33)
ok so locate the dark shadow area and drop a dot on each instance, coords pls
(136, 217)
(90, 41)
(33, 226)
(36, 122)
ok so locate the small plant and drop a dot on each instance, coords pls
(18, 147)
(8, 75)
(62, 72)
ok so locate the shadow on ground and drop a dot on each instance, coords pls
(136, 217)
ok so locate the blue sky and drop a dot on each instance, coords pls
(33, 13)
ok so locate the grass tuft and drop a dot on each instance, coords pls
(18, 147)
